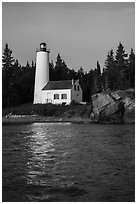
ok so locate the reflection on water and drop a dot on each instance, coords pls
(40, 147)
(68, 162)
(43, 166)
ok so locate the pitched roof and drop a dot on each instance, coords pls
(53, 85)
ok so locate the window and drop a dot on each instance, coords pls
(56, 96)
(78, 87)
(75, 87)
(63, 96)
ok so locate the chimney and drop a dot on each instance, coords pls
(72, 82)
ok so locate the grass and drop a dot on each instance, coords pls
(73, 110)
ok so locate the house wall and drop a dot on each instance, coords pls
(48, 96)
(75, 94)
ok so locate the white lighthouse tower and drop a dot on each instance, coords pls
(42, 72)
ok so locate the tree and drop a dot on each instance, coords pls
(105, 80)
(7, 59)
(26, 83)
(58, 68)
(97, 83)
(73, 74)
(61, 70)
(120, 57)
(88, 89)
(80, 76)
(110, 72)
(17, 80)
(65, 71)
(33, 65)
(131, 69)
(51, 71)
(7, 77)
(121, 65)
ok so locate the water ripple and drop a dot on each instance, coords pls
(68, 162)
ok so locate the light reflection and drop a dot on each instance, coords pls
(49, 150)
(52, 124)
(41, 148)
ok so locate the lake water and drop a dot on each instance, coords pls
(68, 162)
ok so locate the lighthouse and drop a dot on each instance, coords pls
(42, 72)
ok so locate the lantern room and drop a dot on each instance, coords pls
(43, 47)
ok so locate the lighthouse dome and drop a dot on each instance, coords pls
(43, 46)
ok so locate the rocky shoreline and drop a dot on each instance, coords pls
(113, 107)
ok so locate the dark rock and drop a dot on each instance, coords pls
(128, 98)
(113, 107)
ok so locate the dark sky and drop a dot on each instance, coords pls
(81, 32)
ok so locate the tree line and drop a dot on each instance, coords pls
(18, 81)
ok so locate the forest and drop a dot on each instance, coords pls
(18, 81)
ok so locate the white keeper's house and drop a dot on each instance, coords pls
(55, 92)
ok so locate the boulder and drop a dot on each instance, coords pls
(113, 107)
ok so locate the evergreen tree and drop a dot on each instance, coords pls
(120, 57)
(65, 71)
(73, 74)
(97, 84)
(7, 59)
(105, 80)
(110, 72)
(131, 69)
(81, 76)
(58, 68)
(62, 72)
(33, 65)
(88, 88)
(7, 77)
(121, 65)
(59, 61)
(51, 71)
(98, 69)
(16, 72)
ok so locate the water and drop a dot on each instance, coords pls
(68, 162)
